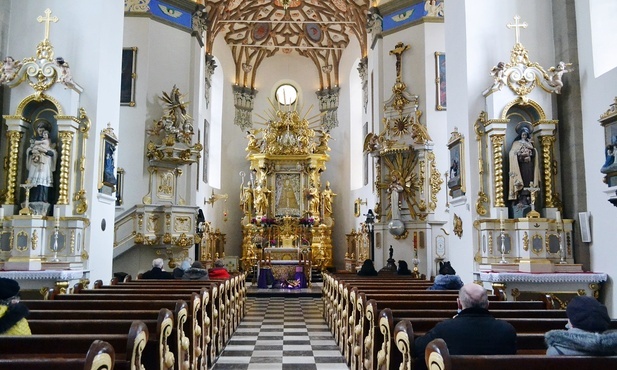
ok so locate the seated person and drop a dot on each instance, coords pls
(587, 333)
(196, 272)
(473, 331)
(12, 313)
(178, 272)
(219, 271)
(157, 271)
(447, 278)
(403, 269)
(367, 269)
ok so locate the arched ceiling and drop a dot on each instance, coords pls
(257, 29)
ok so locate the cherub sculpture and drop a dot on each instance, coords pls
(65, 72)
(498, 73)
(8, 69)
(556, 73)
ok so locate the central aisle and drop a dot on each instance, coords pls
(281, 333)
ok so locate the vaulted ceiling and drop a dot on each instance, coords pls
(258, 29)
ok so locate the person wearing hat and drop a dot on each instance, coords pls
(587, 333)
(447, 278)
(12, 313)
(219, 271)
(196, 272)
(178, 272)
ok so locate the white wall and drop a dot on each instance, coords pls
(94, 56)
(597, 94)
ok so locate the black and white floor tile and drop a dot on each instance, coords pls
(281, 333)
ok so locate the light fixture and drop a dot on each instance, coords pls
(285, 3)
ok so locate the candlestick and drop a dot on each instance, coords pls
(57, 215)
(1, 212)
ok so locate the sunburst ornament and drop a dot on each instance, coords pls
(401, 126)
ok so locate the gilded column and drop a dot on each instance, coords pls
(547, 156)
(11, 179)
(497, 141)
(66, 137)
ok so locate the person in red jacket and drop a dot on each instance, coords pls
(219, 271)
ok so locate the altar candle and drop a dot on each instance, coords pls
(57, 215)
(558, 216)
(1, 212)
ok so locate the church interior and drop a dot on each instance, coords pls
(317, 131)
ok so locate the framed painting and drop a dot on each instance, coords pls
(456, 173)
(365, 158)
(107, 164)
(288, 198)
(128, 76)
(440, 80)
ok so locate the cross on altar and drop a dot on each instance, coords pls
(517, 26)
(398, 51)
(532, 189)
(47, 19)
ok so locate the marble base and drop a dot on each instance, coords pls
(29, 265)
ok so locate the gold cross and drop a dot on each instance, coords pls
(517, 26)
(47, 19)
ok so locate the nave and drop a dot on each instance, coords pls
(280, 333)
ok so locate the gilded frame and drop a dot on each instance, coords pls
(128, 76)
(107, 161)
(456, 172)
(440, 80)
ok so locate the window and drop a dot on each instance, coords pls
(286, 94)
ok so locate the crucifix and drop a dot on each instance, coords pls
(47, 19)
(517, 26)
(398, 51)
(532, 189)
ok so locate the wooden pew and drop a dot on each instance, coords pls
(100, 356)
(128, 347)
(167, 325)
(438, 357)
(189, 349)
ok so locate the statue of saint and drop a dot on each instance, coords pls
(524, 168)
(41, 162)
(313, 198)
(328, 196)
(246, 199)
(262, 193)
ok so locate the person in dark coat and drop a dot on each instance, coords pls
(157, 271)
(473, 331)
(196, 272)
(587, 334)
(367, 269)
(403, 269)
(178, 272)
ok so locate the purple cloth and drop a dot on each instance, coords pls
(301, 278)
(265, 278)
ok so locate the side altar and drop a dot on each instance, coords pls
(284, 202)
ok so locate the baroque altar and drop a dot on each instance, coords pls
(284, 202)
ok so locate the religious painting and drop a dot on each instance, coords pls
(440, 70)
(288, 195)
(198, 177)
(107, 163)
(456, 173)
(128, 76)
(206, 154)
(609, 168)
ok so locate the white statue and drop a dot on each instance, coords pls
(556, 74)
(41, 162)
(499, 77)
(65, 72)
(9, 70)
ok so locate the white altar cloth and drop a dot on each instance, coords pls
(543, 278)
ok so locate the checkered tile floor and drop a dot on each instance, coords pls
(282, 334)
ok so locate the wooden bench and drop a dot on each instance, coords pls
(170, 327)
(189, 342)
(438, 358)
(100, 356)
(128, 347)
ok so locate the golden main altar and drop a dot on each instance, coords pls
(283, 200)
